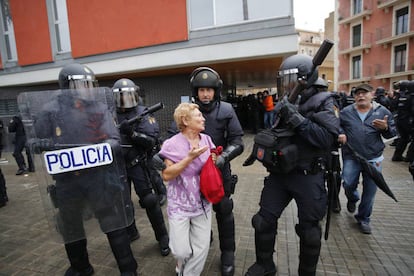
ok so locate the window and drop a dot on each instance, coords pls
(58, 19)
(357, 6)
(401, 25)
(8, 44)
(8, 107)
(210, 13)
(400, 54)
(356, 67)
(356, 35)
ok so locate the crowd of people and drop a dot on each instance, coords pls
(311, 125)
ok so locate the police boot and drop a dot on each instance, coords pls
(120, 245)
(133, 232)
(264, 237)
(310, 247)
(152, 207)
(78, 258)
(397, 157)
(225, 226)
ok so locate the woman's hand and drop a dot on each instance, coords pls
(196, 152)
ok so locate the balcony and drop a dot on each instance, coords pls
(355, 81)
(346, 47)
(382, 72)
(386, 34)
(386, 4)
(345, 16)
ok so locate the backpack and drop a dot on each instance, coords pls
(211, 180)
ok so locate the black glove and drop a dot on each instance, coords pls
(125, 128)
(40, 145)
(221, 160)
(290, 114)
(250, 160)
(157, 162)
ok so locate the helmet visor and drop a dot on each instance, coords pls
(286, 81)
(126, 97)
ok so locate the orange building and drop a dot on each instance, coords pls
(376, 42)
(155, 43)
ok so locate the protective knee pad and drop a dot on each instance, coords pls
(224, 207)
(310, 233)
(310, 246)
(149, 201)
(120, 245)
(263, 226)
(264, 238)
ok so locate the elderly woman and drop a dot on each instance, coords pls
(189, 214)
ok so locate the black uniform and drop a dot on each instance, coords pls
(223, 126)
(404, 127)
(305, 183)
(138, 149)
(16, 126)
(68, 120)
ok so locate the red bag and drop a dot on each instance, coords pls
(211, 181)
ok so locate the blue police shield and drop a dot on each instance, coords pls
(80, 171)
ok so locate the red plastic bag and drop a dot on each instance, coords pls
(211, 180)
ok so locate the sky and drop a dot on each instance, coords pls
(310, 14)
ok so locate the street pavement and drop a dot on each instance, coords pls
(27, 246)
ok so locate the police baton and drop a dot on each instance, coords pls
(332, 178)
(148, 110)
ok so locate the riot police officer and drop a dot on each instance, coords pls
(381, 98)
(223, 126)
(314, 126)
(73, 117)
(16, 126)
(138, 142)
(404, 122)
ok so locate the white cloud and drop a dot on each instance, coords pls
(310, 15)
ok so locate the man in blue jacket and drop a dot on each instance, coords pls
(363, 123)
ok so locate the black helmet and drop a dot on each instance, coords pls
(205, 77)
(320, 83)
(294, 69)
(125, 93)
(379, 91)
(76, 76)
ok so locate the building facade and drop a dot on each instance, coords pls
(376, 42)
(155, 43)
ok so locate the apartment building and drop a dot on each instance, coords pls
(376, 42)
(155, 43)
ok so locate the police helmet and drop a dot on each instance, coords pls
(296, 69)
(205, 77)
(76, 76)
(379, 91)
(320, 83)
(125, 93)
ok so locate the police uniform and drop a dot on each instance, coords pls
(223, 126)
(16, 126)
(138, 149)
(68, 121)
(405, 127)
(75, 117)
(309, 129)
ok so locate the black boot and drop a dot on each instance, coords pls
(264, 237)
(120, 245)
(156, 219)
(225, 227)
(78, 258)
(310, 247)
(133, 232)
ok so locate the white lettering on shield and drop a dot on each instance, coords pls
(78, 158)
